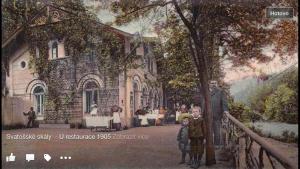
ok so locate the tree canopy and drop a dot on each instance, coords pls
(240, 28)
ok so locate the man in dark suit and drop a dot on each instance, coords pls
(31, 117)
(219, 106)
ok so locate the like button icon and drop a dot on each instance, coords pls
(10, 158)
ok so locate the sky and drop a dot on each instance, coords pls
(145, 26)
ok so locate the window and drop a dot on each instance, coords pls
(156, 101)
(67, 50)
(148, 63)
(151, 66)
(131, 102)
(54, 50)
(37, 52)
(39, 95)
(144, 97)
(145, 61)
(135, 97)
(150, 100)
(91, 56)
(23, 64)
(91, 95)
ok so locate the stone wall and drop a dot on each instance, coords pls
(67, 85)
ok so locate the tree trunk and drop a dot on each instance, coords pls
(203, 76)
(199, 59)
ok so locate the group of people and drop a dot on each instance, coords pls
(115, 112)
(191, 136)
(145, 117)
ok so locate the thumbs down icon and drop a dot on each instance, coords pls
(47, 157)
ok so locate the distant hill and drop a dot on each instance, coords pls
(241, 89)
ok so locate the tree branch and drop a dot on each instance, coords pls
(144, 7)
(193, 53)
(183, 18)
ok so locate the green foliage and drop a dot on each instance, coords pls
(281, 105)
(258, 97)
(49, 104)
(183, 116)
(277, 99)
(290, 78)
(289, 137)
(178, 74)
(183, 81)
(240, 111)
(81, 33)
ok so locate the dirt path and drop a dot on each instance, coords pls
(152, 148)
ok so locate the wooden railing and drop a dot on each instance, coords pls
(250, 151)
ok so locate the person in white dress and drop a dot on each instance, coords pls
(116, 110)
(143, 118)
(94, 109)
(144, 121)
(156, 113)
(177, 116)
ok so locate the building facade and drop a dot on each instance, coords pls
(131, 90)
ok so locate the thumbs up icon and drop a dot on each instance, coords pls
(10, 158)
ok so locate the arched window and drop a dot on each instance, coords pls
(135, 97)
(155, 101)
(144, 97)
(54, 50)
(149, 63)
(91, 95)
(39, 95)
(151, 66)
(150, 100)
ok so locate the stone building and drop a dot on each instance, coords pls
(22, 89)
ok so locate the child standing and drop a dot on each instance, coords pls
(183, 140)
(196, 133)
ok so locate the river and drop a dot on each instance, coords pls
(275, 128)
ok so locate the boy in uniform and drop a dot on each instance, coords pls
(183, 140)
(196, 132)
